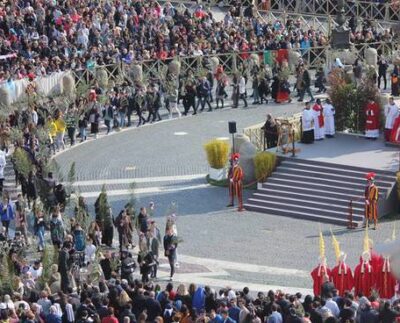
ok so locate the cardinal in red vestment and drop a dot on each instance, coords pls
(376, 260)
(320, 274)
(395, 132)
(385, 281)
(342, 276)
(364, 276)
(372, 120)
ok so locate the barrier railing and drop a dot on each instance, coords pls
(256, 134)
(313, 56)
(384, 12)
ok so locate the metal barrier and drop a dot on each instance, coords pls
(256, 134)
(384, 12)
(314, 57)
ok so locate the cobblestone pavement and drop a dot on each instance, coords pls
(220, 246)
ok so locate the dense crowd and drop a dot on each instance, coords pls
(41, 38)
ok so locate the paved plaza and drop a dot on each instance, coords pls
(220, 246)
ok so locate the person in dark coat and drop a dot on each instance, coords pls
(170, 245)
(270, 132)
(128, 266)
(306, 83)
(275, 88)
(153, 246)
(382, 71)
(153, 307)
(367, 314)
(64, 265)
(388, 314)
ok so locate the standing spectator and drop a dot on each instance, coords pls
(320, 80)
(108, 115)
(306, 86)
(110, 318)
(39, 227)
(220, 92)
(382, 71)
(53, 316)
(242, 90)
(44, 302)
(6, 213)
(153, 245)
(357, 71)
(71, 122)
(270, 132)
(20, 217)
(203, 94)
(94, 119)
(82, 124)
(142, 220)
(189, 98)
(64, 266)
(3, 163)
(275, 316)
(56, 230)
(170, 245)
(60, 130)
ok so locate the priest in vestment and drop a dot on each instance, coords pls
(371, 120)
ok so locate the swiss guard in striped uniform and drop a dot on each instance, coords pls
(371, 200)
(235, 178)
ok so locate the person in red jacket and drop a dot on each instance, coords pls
(364, 276)
(110, 318)
(372, 120)
(320, 275)
(385, 281)
(342, 276)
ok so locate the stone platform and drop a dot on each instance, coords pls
(351, 150)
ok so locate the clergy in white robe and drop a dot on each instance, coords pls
(329, 117)
(307, 122)
(391, 113)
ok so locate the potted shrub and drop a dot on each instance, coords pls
(264, 165)
(217, 152)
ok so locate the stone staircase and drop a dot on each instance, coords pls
(320, 191)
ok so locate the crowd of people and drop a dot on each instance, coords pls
(38, 38)
(41, 38)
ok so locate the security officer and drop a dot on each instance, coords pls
(128, 265)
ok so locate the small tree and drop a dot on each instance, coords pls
(22, 162)
(349, 100)
(102, 208)
(50, 255)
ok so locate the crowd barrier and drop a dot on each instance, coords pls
(313, 57)
(362, 9)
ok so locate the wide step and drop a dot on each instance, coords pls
(318, 191)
